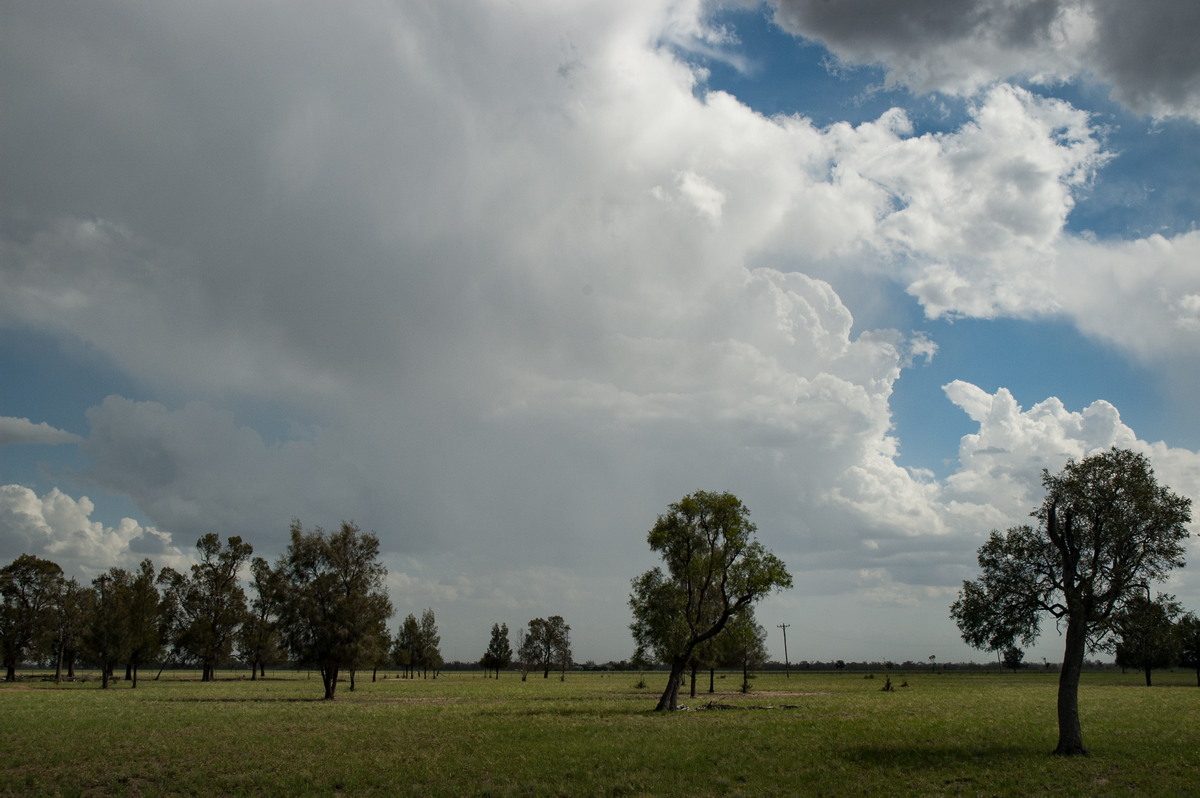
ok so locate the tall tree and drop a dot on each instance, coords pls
(531, 647)
(30, 588)
(545, 645)
(1145, 636)
(1105, 530)
(560, 645)
(143, 620)
(429, 643)
(335, 598)
(259, 642)
(715, 569)
(106, 635)
(742, 645)
(69, 619)
(205, 610)
(499, 652)
(406, 645)
(1189, 643)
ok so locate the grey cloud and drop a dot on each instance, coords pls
(1146, 51)
(22, 430)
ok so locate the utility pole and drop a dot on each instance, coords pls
(787, 668)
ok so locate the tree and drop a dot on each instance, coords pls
(546, 645)
(715, 569)
(259, 642)
(1013, 658)
(106, 635)
(205, 610)
(334, 600)
(499, 653)
(405, 645)
(560, 645)
(1188, 630)
(1145, 636)
(743, 645)
(142, 609)
(68, 621)
(428, 644)
(530, 647)
(1105, 530)
(30, 588)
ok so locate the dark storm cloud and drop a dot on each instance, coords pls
(1147, 51)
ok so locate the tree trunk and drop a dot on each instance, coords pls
(693, 681)
(353, 682)
(670, 697)
(745, 677)
(58, 663)
(10, 671)
(105, 669)
(133, 669)
(128, 671)
(329, 676)
(1070, 735)
(711, 672)
(253, 671)
(1147, 669)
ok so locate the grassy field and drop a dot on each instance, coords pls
(811, 734)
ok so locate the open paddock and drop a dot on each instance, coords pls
(954, 733)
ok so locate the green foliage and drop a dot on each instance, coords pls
(1145, 634)
(1106, 529)
(259, 642)
(204, 611)
(499, 652)
(1188, 633)
(335, 607)
(545, 645)
(29, 591)
(715, 568)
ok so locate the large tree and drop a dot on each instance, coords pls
(1188, 630)
(69, 620)
(499, 652)
(743, 645)
(545, 645)
(204, 611)
(406, 645)
(1105, 530)
(715, 569)
(1144, 633)
(259, 642)
(143, 620)
(30, 589)
(106, 634)
(429, 644)
(335, 600)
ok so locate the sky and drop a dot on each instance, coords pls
(501, 280)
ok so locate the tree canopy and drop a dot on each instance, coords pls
(206, 608)
(335, 602)
(714, 569)
(1105, 530)
(29, 590)
(499, 652)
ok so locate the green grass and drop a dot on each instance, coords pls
(811, 734)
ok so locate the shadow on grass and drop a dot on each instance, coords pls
(915, 756)
(249, 700)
